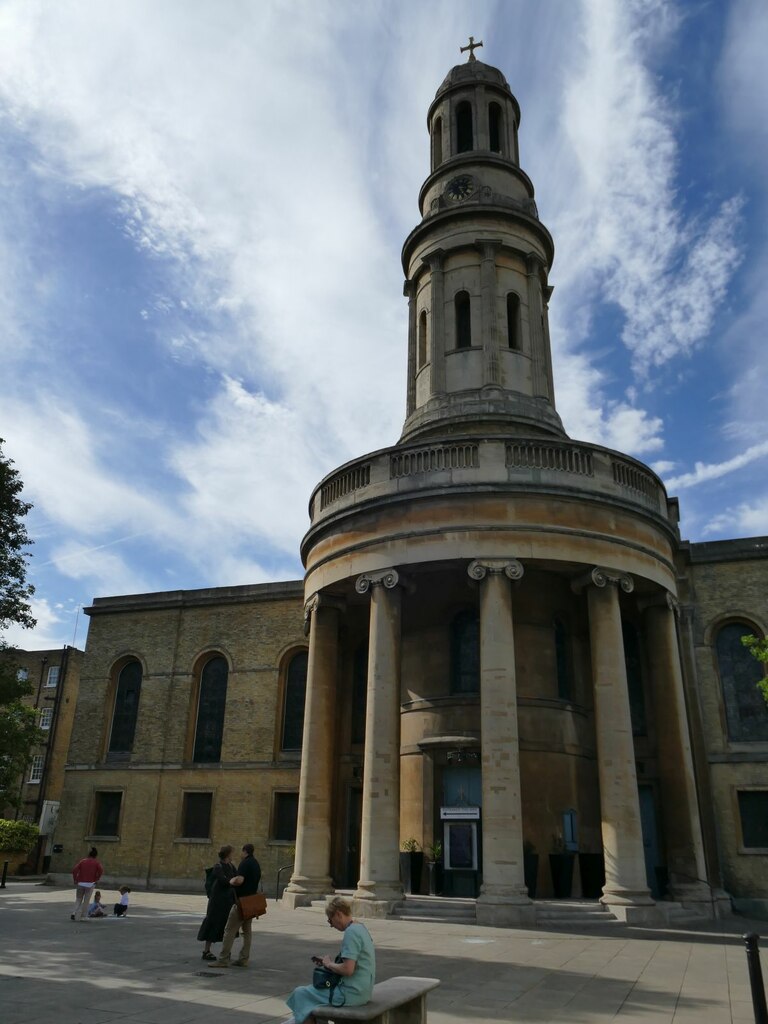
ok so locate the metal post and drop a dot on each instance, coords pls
(756, 978)
(5, 874)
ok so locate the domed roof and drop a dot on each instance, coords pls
(471, 73)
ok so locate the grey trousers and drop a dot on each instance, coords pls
(234, 922)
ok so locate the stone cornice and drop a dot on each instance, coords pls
(247, 594)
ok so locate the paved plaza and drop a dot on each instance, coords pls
(147, 969)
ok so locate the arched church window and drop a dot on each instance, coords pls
(211, 705)
(293, 702)
(127, 694)
(494, 127)
(465, 652)
(437, 142)
(422, 339)
(746, 712)
(464, 137)
(634, 669)
(513, 320)
(463, 320)
(563, 661)
(359, 693)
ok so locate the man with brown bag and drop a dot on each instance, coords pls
(245, 883)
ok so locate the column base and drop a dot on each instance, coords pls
(614, 898)
(302, 891)
(690, 892)
(505, 909)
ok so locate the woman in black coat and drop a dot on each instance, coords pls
(219, 903)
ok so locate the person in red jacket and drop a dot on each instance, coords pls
(86, 874)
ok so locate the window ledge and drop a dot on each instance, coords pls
(750, 851)
(103, 839)
(192, 841)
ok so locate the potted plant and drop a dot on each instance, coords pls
(434, 868)
(592, 871)
(411, 865)
(530, 867)
(561, 868)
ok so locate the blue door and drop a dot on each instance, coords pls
(653, 863)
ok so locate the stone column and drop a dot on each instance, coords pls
(503, 897)
(409, 290)
(625, 877)
(311, 877)
(680, 810)
(489, 326)
(535, 327)
(548, 345)
(379, 886)
(437, 280)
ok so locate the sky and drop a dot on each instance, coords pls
(202, 208)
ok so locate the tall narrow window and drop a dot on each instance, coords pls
(437, 142)
(745, 710)
(359, 693)
(210, 711)
(422, 339)
(293, 707)
(494, 127)
(126, 708)
(46, 717)
(285, 813)
(465, 653)
(36, 768)
(106, 813)
(52, 679)
(563, 661)
(635, 687)
(464, 140)
(513, 320)
(753, 811)
(196, 815)
(463, 320)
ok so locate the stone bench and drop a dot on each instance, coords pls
(395, 1001)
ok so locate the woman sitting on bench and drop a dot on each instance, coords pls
(356, 965)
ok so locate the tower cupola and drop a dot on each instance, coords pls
(477, 272)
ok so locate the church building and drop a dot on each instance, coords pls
(502, 651)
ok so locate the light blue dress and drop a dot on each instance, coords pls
(357, 945)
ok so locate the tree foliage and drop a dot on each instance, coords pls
(17, 836)
(18, 728)
(759, 650)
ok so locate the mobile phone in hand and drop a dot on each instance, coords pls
(317, 960)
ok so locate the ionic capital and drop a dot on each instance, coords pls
(662, 600)
(601, 577)
(480, 567)
(319, 600)
(387, 578)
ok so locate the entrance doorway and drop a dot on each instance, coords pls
(354, 830)
(460, 826)
(654, 869)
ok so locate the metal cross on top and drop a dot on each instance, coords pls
(472, 47)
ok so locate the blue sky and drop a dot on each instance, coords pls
(201, 215)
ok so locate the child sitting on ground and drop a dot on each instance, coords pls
(96, 909)
(121, 908)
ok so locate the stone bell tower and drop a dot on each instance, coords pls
(476, 273)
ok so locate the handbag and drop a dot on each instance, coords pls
(327, 980)
(252, 906)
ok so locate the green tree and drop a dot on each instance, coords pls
(18, 728)
(759, 650)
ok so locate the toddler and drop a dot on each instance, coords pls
(96, 909)
(121, 907)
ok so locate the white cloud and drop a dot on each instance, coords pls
(704, 472)
(53, 629)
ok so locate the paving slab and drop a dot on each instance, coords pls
(146, 969)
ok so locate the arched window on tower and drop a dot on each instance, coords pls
(465, 652)
(127, 694)
(293, 702)
(437, 142)
(746, 712)
(634, 669)
(422, 339)
(464, 135)
(463, 320)
(563, 661)
(513, 320)
(494, 127)
(211, 705)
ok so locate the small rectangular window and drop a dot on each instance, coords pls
(106, 819)
(286, 811)
(36, 768)
(52, 679)
(753, 809)
(196, 816)
(46, 717)
(22, 675)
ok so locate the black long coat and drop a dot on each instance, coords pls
(219, 904)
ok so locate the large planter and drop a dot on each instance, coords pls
(411, 866)
(592, 871)
(531, 873)
(435, 874)
(561, 868)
